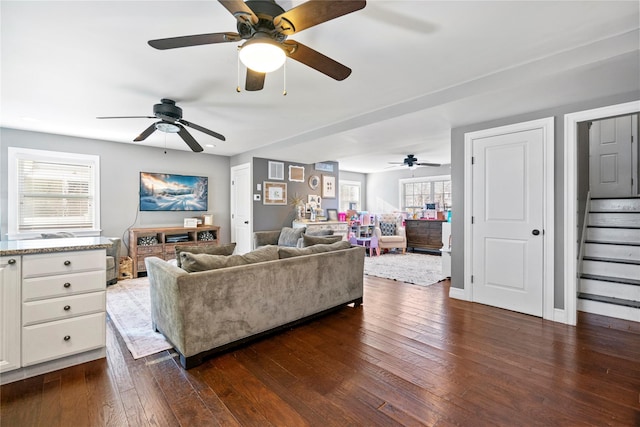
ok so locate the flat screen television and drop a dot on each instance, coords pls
(170, 192)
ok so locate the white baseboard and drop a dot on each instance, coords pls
(457, 293)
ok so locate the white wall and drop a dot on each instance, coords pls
(120, 167)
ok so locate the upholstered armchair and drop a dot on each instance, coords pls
(390, 232)
(113, 260)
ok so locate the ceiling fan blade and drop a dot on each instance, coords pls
(192, 143)
(316, 60)
(127, 117)
(428, 164)
(240, 11)
(204, 130)
(195, 40)
(314, 12)
(148, 131)
(255, 80)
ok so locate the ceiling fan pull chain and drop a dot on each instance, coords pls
(165, 143)
(284, 69)
(238, 59)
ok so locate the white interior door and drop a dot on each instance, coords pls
(611, 160)
(508, 221)
(241, 208)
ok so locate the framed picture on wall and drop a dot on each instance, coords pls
(274, 193)
(296, 173)
(276, 170)
(328, 187)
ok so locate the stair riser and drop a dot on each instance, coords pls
(613, 235)
(610, 289)
(615, 219)
(611, 310)
(612, 251)
(619, 205)
(611, 269)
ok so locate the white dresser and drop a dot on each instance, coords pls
(53, 307)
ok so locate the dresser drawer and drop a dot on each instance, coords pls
(62, 308)
(63, 262)
(65, 284)
(46, 341)
(151, 250)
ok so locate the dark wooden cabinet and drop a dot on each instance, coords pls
(424, 234)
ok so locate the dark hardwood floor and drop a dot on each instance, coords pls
(408, 356)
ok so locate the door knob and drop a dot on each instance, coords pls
(246, 222)
(535, 232)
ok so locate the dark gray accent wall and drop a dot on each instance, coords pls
(120, 167)
(458, 177)
(274, 217)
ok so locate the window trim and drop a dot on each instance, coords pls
(357, 184)
(403, 181)
(16, 153)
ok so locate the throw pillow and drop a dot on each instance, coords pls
(205, 249)
(318, 232)
(192, 263)
(314, 240)
(62, 234)
(289, 236)
(387, 228)
(315, 249)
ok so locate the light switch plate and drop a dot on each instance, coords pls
(259, 187)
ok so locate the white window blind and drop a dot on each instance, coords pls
(53, 191)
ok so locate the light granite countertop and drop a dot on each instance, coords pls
(39, 246)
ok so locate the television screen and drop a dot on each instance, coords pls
(169, 192)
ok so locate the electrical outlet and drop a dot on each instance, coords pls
(256, 197)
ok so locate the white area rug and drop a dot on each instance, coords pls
(414, 268)
(128, 305)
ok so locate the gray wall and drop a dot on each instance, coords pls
(274, 217)
(120, 167)
(458, 177)
(383, 189)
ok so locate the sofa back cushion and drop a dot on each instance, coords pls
(318, 232)
(192, 263)
(205, 249)
(315, 240)
(289, 236)
(315, 249)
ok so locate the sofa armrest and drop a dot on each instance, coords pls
(264, 238)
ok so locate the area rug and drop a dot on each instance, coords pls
(414, 268)
(129, 305)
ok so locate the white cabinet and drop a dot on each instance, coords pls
(10, 313)
(63, 304)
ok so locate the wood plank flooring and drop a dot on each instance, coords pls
(409, 356)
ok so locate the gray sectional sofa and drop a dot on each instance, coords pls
(206, 312)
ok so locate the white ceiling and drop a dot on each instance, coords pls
(420, 68)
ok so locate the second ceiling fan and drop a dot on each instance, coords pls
(264, 22)
(412, 161)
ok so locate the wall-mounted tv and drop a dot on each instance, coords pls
(170, 192)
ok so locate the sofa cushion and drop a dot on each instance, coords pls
(289, 236)
(202, 262)
(285, 252)
(315, 240)
(205, 249)
(387, 228)
(318, 232)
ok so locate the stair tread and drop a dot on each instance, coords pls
(612, 260)
(612, 242)
(616, 198)
(628, 227)
(610, 300)
(611, 279)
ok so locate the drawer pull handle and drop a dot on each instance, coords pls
(67, 262)
(11, 261)
(67, 285)
(67, 307)
(67, 337)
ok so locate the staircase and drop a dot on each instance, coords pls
(610, 273)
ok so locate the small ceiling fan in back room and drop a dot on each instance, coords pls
(412, 161)
(265, 26)
(171, 121)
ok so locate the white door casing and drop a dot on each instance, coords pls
(570, 192)
(508, 195)
(241, 208)
(610, 158)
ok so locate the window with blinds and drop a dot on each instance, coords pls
(53, 192)
(350, 196)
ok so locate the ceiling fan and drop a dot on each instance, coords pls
(264, 22)
(412, 160)
(171, 121)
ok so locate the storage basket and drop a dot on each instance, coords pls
(125, 268)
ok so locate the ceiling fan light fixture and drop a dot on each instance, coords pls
(167, 127)
(262, 55)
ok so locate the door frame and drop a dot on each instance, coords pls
(571, 195)
(232, 194)
(547, 126)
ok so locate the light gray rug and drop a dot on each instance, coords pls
(129, 305)
(414, 268)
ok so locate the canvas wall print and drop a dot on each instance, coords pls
(170, 192)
